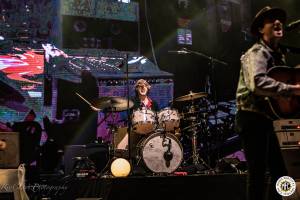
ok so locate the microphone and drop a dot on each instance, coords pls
(178, 52)
(293, 25)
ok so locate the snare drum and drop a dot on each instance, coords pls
(161, 153)
(143, 121)
(168, 119)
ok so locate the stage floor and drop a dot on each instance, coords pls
(203, 186)
(199, 186)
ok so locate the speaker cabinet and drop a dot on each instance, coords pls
(10, 155)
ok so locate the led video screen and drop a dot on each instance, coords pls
(21, 84)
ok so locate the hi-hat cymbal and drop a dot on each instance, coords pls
(191, 126)
(191, 96)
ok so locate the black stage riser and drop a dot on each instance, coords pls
(206, 187)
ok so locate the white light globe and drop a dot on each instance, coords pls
(120, 167)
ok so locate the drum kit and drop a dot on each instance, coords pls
(159, 148)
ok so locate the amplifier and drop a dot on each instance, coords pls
(288, 132)
(286, 125)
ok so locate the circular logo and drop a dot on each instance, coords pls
(285, 186)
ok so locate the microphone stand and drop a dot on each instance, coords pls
(212, 64)
(128, 112)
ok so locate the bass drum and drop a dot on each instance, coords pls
(161, 153)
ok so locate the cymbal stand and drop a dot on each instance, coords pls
(197, 160)
(111, 147)
(112, 130)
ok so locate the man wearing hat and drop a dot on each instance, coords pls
(253, 123)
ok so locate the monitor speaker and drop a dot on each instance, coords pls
(9, 153)
(70, 153)
(97, 153)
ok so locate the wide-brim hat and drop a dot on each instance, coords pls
(142, 82)
(266, 12)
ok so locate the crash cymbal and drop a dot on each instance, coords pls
(109, 103)
(191, 96)
(118, 104)
(112, 104)
(101, 103)
(96, 104)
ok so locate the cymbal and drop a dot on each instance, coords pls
(191, 96)
(109, 103)
(191, 126)
(112, 103)
(101, 103)
(120, 104)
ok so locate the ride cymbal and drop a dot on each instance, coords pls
(191, 96)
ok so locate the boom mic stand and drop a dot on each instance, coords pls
(212, 68)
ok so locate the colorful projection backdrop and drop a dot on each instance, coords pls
(21, 84)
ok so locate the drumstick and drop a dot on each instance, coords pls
(94, 108)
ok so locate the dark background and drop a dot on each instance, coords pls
(190, 70)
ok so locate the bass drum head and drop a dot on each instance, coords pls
(153, 149)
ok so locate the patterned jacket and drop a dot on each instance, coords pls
(254, 83)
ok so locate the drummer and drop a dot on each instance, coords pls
(141, 99)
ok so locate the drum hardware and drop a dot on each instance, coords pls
(195, 155)
(115, 104)
(115, 149)
(109, 106)
(111, 146)
(196, 120)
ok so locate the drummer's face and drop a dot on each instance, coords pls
(142, 90)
